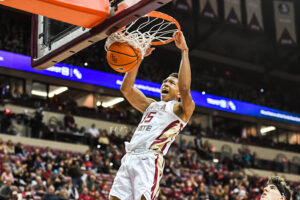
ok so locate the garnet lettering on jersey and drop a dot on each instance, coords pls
(151, 112)
(148, 117)
(144, 128)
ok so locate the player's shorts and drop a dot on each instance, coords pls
(139, 175)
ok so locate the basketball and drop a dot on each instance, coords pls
(123, 57)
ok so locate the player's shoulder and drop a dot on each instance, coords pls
(151, 102)
(179, 112)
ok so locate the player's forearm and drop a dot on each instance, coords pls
(184, 75)
(128, 81)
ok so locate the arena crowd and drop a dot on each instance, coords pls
(45, 173)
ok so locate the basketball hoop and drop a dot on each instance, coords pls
(155, 28)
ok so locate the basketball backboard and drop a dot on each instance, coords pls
(53, 41)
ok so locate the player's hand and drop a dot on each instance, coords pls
(180, 41)
(149, 51)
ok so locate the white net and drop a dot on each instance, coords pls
(141, 33)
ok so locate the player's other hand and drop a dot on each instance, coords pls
(180, 41)
(149, 51)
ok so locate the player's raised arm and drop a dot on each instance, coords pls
(187, 105)
(134, 96)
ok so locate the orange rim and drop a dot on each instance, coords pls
(161, 16)
(167, 18)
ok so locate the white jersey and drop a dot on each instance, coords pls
(158, 128)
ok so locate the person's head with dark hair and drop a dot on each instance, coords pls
(169, 88)
(175, 75)
(276, 189)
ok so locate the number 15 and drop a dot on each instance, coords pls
(148, 117)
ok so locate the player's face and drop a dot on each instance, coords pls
(169, 89)
(271, 193)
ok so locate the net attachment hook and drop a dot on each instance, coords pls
(114, 4)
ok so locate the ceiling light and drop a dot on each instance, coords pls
(57, 91)
(39, 93)
(267, 129)
(112, 102)
(98, 103)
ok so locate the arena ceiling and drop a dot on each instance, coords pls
(257, 48)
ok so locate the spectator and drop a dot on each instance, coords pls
(47, 155)
(63, 194)
(18, 172)
(30, 163)
(60, 175)
(106, 167)
(6, 123)
(37, 153)
(88, 163)
(2, 147)
(39, 163)
(26, 179)
(7, 175)
(57, 182)
(84, 173)
(72, 191)
(19, 150)
(187, 188)
(7, 161)
(27, 193)
(37, 124)
(10, 149)
(39, 188)
(92, 182)
(103, 140)
(97, 196)
(60, 157)
(198, 143)
(69, 122)
(208, 154)
(296, 194)
(48, 172)
(97, 163)
(93, 134)
(50, 195)
(85, 195)
(75, 174)
(6, 190)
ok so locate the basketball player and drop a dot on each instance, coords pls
(276, 189)
(142, 166)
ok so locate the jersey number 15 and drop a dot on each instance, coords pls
(148, 117)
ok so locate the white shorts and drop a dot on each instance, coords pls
(139, 175)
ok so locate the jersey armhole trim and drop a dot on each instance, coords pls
(172, 110)
(149, 105)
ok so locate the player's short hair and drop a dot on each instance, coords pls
(281, 185)
(175, 75)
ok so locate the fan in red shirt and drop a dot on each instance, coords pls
(88, 163)
(85, 195)
(48, 172)
(27, 193)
